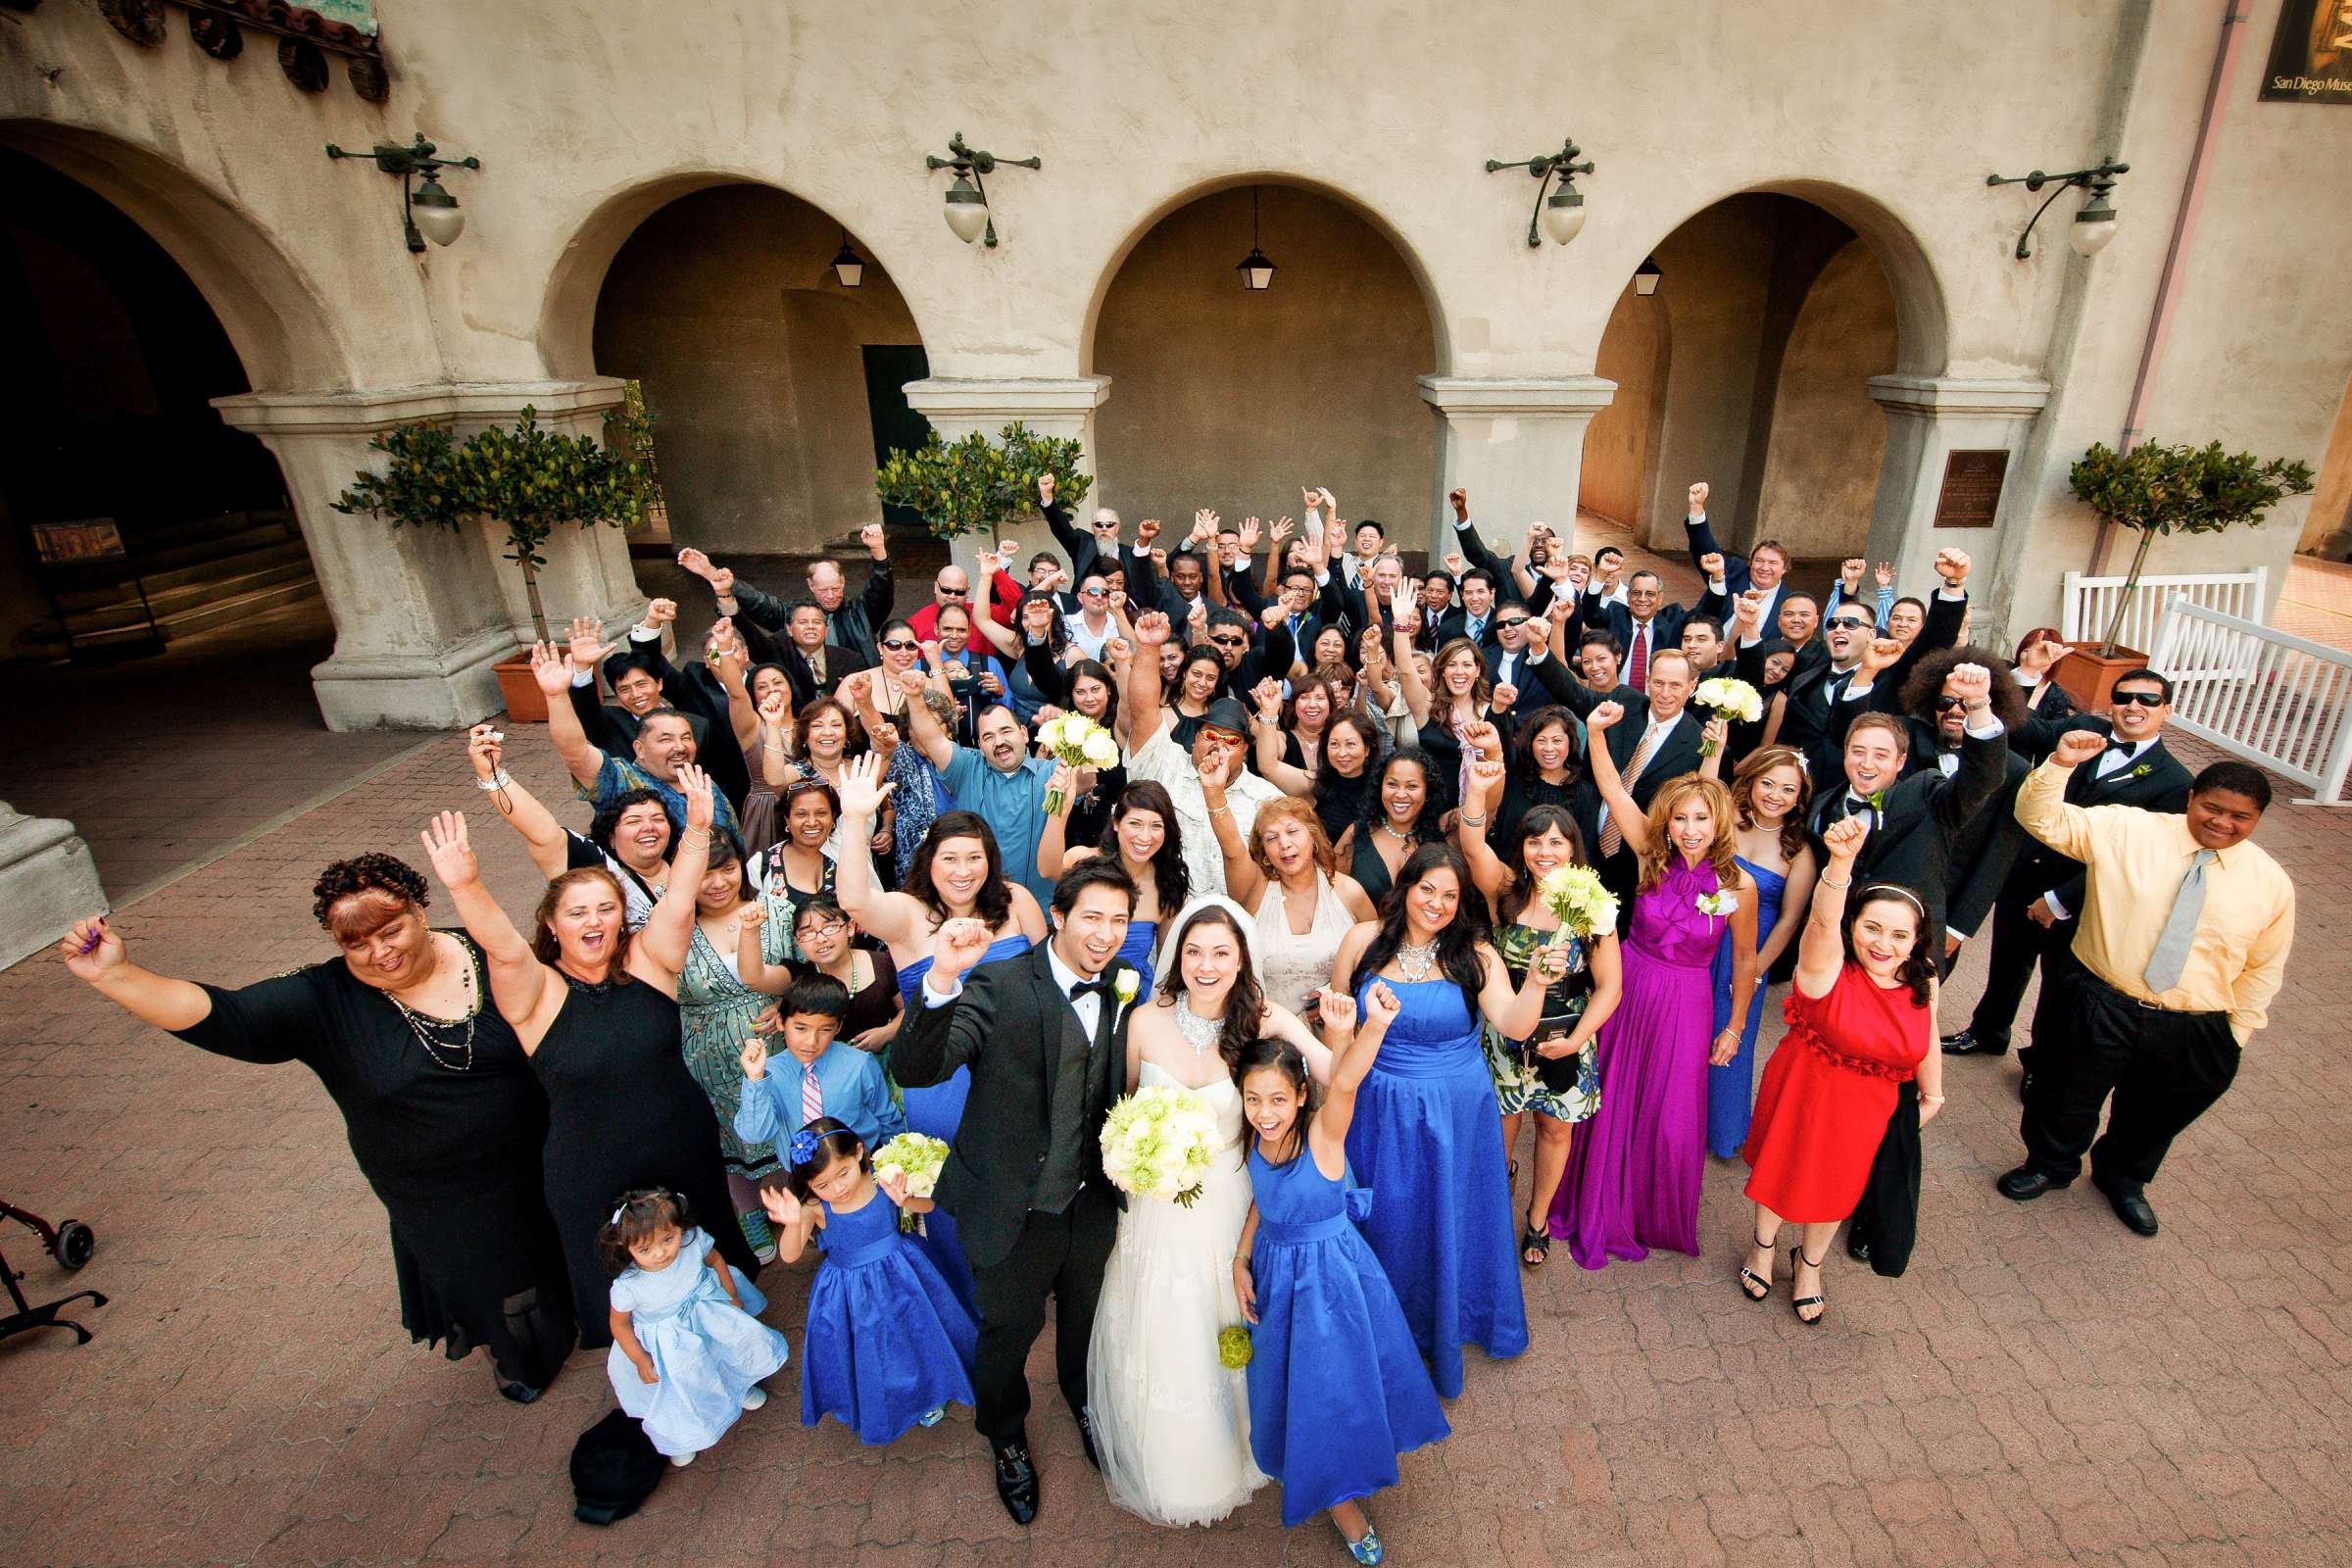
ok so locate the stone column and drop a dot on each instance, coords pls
(1063, 408)
(1517, 445)
(1928, 418)
(421, 616)
(47, 882)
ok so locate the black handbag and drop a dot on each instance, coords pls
(615, 1468)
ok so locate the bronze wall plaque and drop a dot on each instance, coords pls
(1972, 489)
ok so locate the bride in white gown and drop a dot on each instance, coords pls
(1171, 1422)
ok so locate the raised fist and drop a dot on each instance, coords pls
(754, 1058)
(1710, 564)
(1972, 684)
(1952, 566)
(1698, 499)
(2077, 747)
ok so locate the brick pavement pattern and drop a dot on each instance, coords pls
(2042, 1387)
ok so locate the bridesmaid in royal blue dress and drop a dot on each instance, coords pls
(1427, 1137)
(1337, 1386)
(1144, 835)
(955, 873)
(1634, 1177)
(1769, 795)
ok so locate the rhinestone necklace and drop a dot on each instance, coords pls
(1415, 960)
(1198, 1033)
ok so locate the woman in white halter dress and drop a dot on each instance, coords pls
(1171, 1422)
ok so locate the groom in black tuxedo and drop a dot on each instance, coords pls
(1045, 1035)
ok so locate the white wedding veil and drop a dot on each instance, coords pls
(1163, 963)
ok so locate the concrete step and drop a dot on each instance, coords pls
(171, 604)
(223, 611)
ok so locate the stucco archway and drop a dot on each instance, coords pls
(1233, 398)
(1749, 367)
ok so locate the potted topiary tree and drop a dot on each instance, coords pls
(529, 481)
(972, 484)
(2155, 489)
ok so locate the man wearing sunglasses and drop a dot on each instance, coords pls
(2041, 898)
(1521, 665)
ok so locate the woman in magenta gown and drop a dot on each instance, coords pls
(1634, 1177)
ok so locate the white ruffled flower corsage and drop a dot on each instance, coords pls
(1123, 987)
(1719, 903)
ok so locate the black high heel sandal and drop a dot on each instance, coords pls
(1538, 1241)
(1748, 1276)
(1797, 1303)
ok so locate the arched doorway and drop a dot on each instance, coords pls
(107, 434)
(774, 388)
(1233, 398)
(1748, 366)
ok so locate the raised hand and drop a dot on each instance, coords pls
(695, 562)
(91, 948)
(1604, 716)
(1275, 613)
(1337, 1009)
(1710, 564)
(661, 612)
(1044, 488)
(1747, 607)
(1536, 634)
(1885, 574)
(1698, 494)
(722, 582)
(1117, 653)
(1402, 604)
(1881, 654)
(1717, 732)
(1506, 696)
(1458, 497)
(871, 537)
(1380, 1005)
(986, 562)
(1309, 497)
(484, 746)
(959, 946)
(862, 790)
(446, 845)
(1151, 629)
(1843, 837)
(1147, 530)
(551, 671)
(782, 1208)
(701, 802)
(754, 1058)
(1486, 772)
(1952, 566)
(857, 688)
(1850, 573)
(2037, 660)
(1062, 788)
(775, 706)
(751, 917)
(2077, 747)
(1455, 564)
(894, 1188)
(1282, 530)
(1972, 684)
(1248, 536)
(1205, 525)
(1197, 623)
(1558, 569)
(587, 645)
(1268, 694)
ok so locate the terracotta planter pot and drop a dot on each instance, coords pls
(2088, 679)
(527, 704)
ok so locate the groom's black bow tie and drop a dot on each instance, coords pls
(1097, 987)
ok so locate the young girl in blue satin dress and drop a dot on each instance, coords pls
(889, 1345)
(688, 1354)
(1337, 1386)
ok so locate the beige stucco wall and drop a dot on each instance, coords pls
(1820, 466)
(1888, 117)
(724, 303)
(1618, 444)
(2331, 494)
(1233, 399)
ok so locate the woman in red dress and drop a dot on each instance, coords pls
(1861, 1019)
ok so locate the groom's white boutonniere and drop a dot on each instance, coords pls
(1123, 984)
(1718, 902)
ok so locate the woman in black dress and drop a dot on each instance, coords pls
(595, 1006)
(438, 1100)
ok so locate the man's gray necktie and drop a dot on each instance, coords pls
(2180, 930)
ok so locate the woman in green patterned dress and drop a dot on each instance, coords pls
(1553, 1073)
(717, 1012)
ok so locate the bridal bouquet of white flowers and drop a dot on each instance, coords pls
(1158, 1143)
(1736, 701)
(1076, 741)
(1577, 898)
(917, 1158)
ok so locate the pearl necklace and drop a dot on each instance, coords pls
(1415, 960)
(1198, 1033)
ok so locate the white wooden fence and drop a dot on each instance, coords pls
(2281, 701)
(2087, 603)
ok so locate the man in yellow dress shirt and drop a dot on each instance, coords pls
(2184, 941)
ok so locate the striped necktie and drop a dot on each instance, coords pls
(1611, 839)
(812, 1099)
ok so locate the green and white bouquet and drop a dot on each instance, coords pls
(1577, 899)
(1076, 741)
(1736, 701)
(918, 1158)
(1158, 1143)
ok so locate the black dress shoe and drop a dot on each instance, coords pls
(2131, 1206)
(1967, 1044)
(2024, 1184)
(1086, 1436)
(1856, 1248)
(1016, 1481)
(518, 1393)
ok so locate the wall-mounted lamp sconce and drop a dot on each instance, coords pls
(426, 211)
(967, 199)
(1255, 269)
(1647, 276)
(848, 265)
(1562, 213)
(2094, 223)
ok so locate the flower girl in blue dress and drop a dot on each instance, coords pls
(1337, 1386)
(688, 1352)
(889, 1345)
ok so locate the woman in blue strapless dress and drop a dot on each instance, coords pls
(1427, 1136)
(1149, 841)
(1337, 1386)
(956, 873)
(1769, 796)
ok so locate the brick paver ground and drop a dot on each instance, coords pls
(2041, 1387)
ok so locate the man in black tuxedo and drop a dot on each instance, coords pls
(1762, 571)
(1936, 717)
(1475, 619)
(1520, 667)
(2041, 897)
(1652, 737)
(1915, 822)
(1045, 1035)
(1097, 550)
